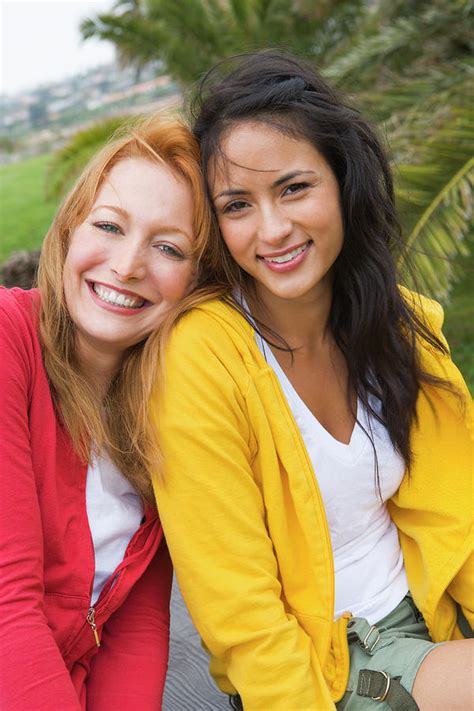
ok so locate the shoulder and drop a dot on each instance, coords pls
(212, 349)
(429, 311)
(18, 303)
(215, 327)
(21, 357)
(19, 311)
(215, 316)
(434, 360)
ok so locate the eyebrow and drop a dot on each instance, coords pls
(276, 183)
(163, 229)
(114, 208)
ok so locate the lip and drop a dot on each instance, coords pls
(114, 308)
(282, 252)
(290, 265)
(125, 292)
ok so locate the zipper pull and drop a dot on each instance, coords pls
(91, 621)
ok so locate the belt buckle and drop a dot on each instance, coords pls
(369, 648)
(387, 689)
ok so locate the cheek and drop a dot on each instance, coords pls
(71, 271)
(327, 220)
(236, 239)
(174, 281)
(82, 255)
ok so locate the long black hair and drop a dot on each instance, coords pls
(373, 325)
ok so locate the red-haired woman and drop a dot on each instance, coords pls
(85, 573)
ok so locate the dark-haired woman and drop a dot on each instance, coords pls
(317, 494)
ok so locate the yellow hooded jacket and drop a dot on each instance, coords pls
(246, 526)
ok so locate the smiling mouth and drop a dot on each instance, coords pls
(288, 257)
(110, 296)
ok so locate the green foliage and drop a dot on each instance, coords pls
(411, 64)
(69, 161)
(459, 324)
(25, 215)
(435, 196)
(7, 144)
(191, 35)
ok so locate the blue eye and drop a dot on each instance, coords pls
(108, 227)
(169, 251)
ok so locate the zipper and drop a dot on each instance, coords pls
(91, 620)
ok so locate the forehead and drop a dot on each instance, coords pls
(251, 148)
(147, 189)
(131, 176)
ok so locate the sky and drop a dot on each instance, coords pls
(40, 42)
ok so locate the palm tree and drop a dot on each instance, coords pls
(412, 65)
(407, 63)
(191, 35)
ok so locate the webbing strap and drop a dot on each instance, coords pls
(236, 702)
(379, 686)
(463, 624)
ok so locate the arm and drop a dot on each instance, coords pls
(32, 671)
(128, 673)
(213, 513)
(451, 489)
(462, 587)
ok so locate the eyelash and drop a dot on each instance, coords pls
(108, 227)
(298, 186)
(112, 228)
(292, 189)
(170, 251)
(232, 206)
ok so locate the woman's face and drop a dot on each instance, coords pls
(278, 207)
(130, 261)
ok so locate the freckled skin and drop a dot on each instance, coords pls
(138, 237)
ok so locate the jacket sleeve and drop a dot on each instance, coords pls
(32, 672)
(128, 672)
(213, 513)
(462, 586)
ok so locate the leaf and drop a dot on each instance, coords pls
(67, 164)
(440, 233)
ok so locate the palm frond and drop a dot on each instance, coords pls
(441, 230)
(69, 161)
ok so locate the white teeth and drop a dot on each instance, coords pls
(288, 256)
(110, 296)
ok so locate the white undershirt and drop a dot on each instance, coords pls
(370, 577)
(115, 511)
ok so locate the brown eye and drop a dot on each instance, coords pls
(236, 206)
(295, 188)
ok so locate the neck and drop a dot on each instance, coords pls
(303, 323)
(98, 364)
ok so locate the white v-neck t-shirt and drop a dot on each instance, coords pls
(370, 577)
(115, 511)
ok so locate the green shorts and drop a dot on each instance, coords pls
(396, 645)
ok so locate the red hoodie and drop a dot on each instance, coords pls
(49, 658)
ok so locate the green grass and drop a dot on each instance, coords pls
(25, 216)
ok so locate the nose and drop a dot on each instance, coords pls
(275, 225)
(128, 261)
